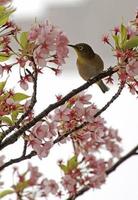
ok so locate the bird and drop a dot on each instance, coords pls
(89, 63)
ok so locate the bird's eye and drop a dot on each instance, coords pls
(81, 48)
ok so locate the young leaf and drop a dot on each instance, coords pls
(6, 120)
(14, 115)
(132, 43)
(123, 32)
(19, 96)
(72, 163)
(116, 40)
(5, 193)
(4, 14)
(24, 39)
(64, 168)
(22, 185)
(2, 85)
(4, 57)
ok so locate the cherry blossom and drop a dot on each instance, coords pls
(62, 113)
(34, 174)
(105, 38)
(132, 67)
(69, 183)
(3, 2)
(23, 84)
(40, 130)
(42, 148)
(50, 41)
(50, 186)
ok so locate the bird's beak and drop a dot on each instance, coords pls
(70, 45)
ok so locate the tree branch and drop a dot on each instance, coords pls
(73, 130)
(17, 160)
(131, 153)
(13, 138)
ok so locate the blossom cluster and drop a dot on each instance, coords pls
(125, 50)
(50, 44)
(86, 167)
(44, 45)
(11, 106)
(26, 184)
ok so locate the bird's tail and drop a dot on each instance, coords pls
(102, 86)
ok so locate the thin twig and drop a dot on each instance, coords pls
(82, 125)
(13, 138)
(117, 94)
(131, 153)
(25, 147)
(17, 160)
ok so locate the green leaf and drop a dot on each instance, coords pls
(116, 40)
(4, 57)
(4, 14)
(123, 38)
(64, 168)
(6, 120)
(22, 185)
(14, 115)
(5, 193)
(19, 96)
(72, 163)
(132, 43)
(24, 39)
(2, 85)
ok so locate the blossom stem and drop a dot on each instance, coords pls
(17, 160)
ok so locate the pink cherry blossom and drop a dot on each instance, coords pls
(34, 32)
(113, 148)
(116, 30)
(21, 61)
(51, 129)
(44, 149)
(50, 186)
(23, 84)
(34, 174)
(69, 183)
(49, 41)
(132, 67)
(96, 181)
(40, 55)
(61, 47)
(3, 2)
(62, 113)
(105, 39)
(10, 101)
(40, 130)
(89, 113)
(34, 142)
(82, 99)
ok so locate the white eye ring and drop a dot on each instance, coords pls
(81, 48)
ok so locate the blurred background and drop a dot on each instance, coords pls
(86, 21)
